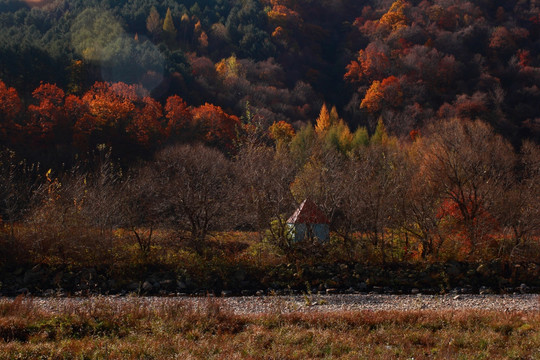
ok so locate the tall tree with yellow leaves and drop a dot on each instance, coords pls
(323, 121)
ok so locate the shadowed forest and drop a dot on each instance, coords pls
(153, 136)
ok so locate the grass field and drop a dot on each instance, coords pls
(213, 332)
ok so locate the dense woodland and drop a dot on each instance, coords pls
(414, 125)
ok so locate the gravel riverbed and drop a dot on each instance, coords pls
(308, 303)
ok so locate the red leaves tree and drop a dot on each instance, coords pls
(119, 113)
(179, 118)
(10, 106)
(217, 127)
(371, 64)
(48, 119)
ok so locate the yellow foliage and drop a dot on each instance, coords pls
(228, 67)
(395, 18)
(323, 121)
(281, 132)
(372, 102)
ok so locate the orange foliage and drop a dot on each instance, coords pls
(371, 64)
(218, 127)
(388, 92)
(110, 104)
(372, 101)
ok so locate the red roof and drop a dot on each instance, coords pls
(308, 213)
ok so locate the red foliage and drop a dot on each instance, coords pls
(145, 125)
(178, 116)
(415, 134)
(10, 106)
(48, 118)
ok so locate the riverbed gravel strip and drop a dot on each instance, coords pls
(298, 303)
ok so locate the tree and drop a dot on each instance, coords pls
(387, 93)
(146, 128)
(18, 182)
(140, 202)
(395, 17)
(179, 119)
(10, 106)
(49, 122)
(473, 165)
(369, 204)
(281, 132)
(169, 30)
(371, 64)
(323, 121)
(516, 209)
(218, 127)
(267, 200)
(420, 201)
(195, 190)
(153, 23)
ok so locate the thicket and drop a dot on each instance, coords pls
(459, 191)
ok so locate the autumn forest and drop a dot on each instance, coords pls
(161, 135)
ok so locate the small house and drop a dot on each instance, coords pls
(309, 223)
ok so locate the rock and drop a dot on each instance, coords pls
(240, 275)
(226, 293)
(483, 270)
(181, 285)
(147, 286)
(133, 286)
(111, 284)
(48, 292)
(484, 290)
(457, 297)
(33, 275)
(523, 288)
(166, 284)
(362, 286)
(331, 291)
(259, 293)
(415, 291)
(23, 291)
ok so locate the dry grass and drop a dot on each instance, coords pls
(210, 331)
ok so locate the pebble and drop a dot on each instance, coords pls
(298, 303)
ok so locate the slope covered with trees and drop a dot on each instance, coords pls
(409, 62)
(145, 130)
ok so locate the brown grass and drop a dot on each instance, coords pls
(104, 330)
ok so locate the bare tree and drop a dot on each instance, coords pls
(265, 178)
(420, 200)
(517, 208)
(18, 182)
(140, 207)
(195, 186)
(370, 204)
